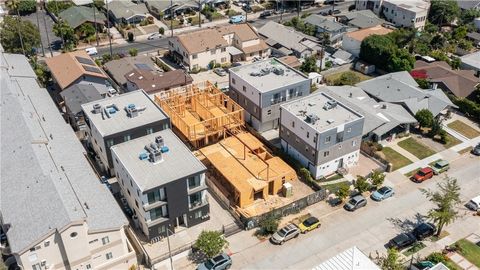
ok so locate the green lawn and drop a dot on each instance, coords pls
(333, 187)
(398, 161)
(418, 149)
(464, 129)
(469, 251)
(451, 141)
(332, 77)
(414, 249)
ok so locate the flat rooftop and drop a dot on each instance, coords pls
(314, 106)
(118, 121)
(269, 74)
(177, 163)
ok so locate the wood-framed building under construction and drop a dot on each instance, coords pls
(201, 112)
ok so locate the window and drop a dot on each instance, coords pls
(223, 60)
(158, 212)
(349, 130)
(73, 235)
(136, 203)
(293, 124)
(223, 49)
(213, 51)
(105, 240)
(197, 214)
(244, 88)
(327, 139)
(109, 143)
(314, 139)
(46, 243)
(193, 182)
(194, 56)
(126, 138)
(233, 80)
(308, 134)
(354, 143)
(195, 199)
(149, 131)
(109, 255)
(156, 195)
(326, 153)
(269, 112)
(88, 266)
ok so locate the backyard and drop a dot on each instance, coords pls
(464, 129)
(334, 78)
(418, 149)
(398, 161)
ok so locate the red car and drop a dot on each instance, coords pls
(422, 175)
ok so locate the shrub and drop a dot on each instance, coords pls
(343, 191)
(361, 184)
(268, 224)
(161, 30)
(130, 37)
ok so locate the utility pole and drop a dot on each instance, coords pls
(298, 8)
(281, 13)
(46, 32)
(95, 21)
(199, 14)
(333, 7)
(60, 21)
(169, 250)
(171, 18)
(38, 25)
(108, 29)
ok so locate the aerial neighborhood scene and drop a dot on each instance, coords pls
(240, 134)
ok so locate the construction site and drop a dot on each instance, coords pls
(241, 168)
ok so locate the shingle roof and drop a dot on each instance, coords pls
(400, 87)
(78, 94)
(468, 4)
(47, 183)
(77, 15)
(461, 83)
(127, 9)
(323, 22)
(118, 68)
(285, 36)
(153, 82)
(474, 35)
(67, 68)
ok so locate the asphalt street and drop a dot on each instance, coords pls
(162, 44)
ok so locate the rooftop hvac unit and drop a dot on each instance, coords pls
(311, 119)
(330, 121)
(97, 108)
(159, 140)
(164, 149)
(330, 105)
(143, 156)
(278, 71)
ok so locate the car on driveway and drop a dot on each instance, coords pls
(219, 262)
(440, 166)
(424, 230)
(474, 204)
(476, 150)
(309, 224)
(284, 234)
(422, 175)
(220, 72)
(402, 241)
(382, 193)
(356, 202)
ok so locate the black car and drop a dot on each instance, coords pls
(401, 241)
(424, 230)
(266, 13)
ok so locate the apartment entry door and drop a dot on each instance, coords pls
(181, 221)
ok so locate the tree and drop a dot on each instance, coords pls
(459, 32)
(133, 52)
(269, 224)
(13, 42)
(401, 60)
(468, 15)
(424, 118)
(62, 30)
(211, 243)
(436, 127)
(130, 37)
(13, 5)
(402, 37)
(443, 12)
(445, 199)
(377, 50)
(361, 184)
(423, 83)
(56, 6)
(161, 31)
(455, 62)
(26, 6)
(309, 65)
(86, 30)
(42, 72)
(99, 4)
(391, 261)
(343, 191)
(377, 177)
(347, 78)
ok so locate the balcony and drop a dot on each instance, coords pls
(148, 207)
(198, 203)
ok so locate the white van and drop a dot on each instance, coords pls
(91, 51)
(474, 204)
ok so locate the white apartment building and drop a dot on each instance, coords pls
(410, 13)
(321, 133)
(54, 211)
(219, 45)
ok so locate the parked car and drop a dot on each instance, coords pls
(309, 224)
(422, 175)
(424, 230)
(440, 166)
(220, 72)
(266, 13)
(355, 203)
(476, 150)
(335, 11)
(401, 241)
(219, 262)
(154, 36)
(237, 19)
(91, 51)
(284, 234)
(474, 204)
(382, 193)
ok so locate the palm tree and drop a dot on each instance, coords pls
(13, 5)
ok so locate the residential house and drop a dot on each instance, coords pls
(76, 68)
(460, 83)
(163, 183)
(403, 14)
(341, 57)
(54, 211)
(291, 61)
(127, 12)
(353, 40)
(218, 45)
(327, 29)
(152, 81)
(401, 88)
(471, 62)
(359, 19)
(321, 133)
(73, 98)
(287, 41)
(117, 69)
(350, 259)
(161, 9)
(260, 88)
(475, 38)
(118, 119)
(469, 4)
(76, 16)
(383, 120)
